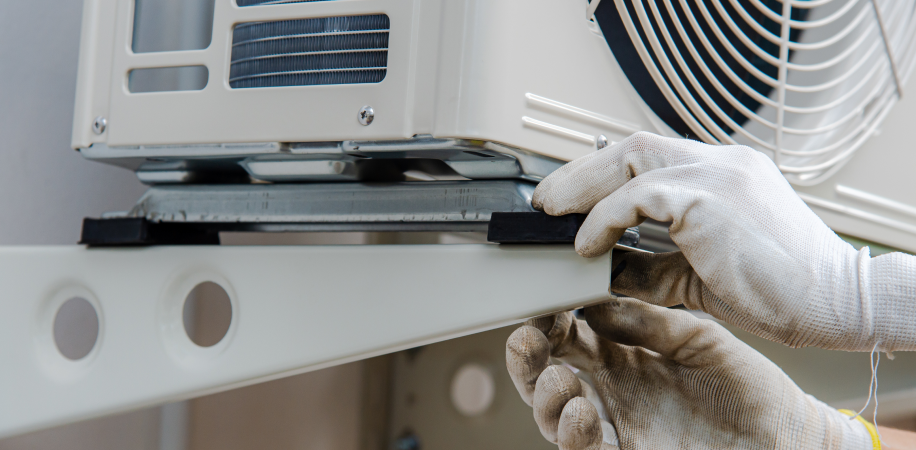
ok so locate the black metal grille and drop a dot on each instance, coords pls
(617, 37)
(304, 52)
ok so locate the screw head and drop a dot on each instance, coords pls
(366, 115)
(99, 125)
(601, 142)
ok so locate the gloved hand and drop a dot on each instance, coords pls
(752, 253)
(666, 380)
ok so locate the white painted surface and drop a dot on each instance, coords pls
(884, 169)
(342, 303)
(466, 69)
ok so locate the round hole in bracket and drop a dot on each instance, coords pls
(207, 314)
(473, 389)
(76, 328)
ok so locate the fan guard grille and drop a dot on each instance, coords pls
(806, 82)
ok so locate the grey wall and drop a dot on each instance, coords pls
(46, 188)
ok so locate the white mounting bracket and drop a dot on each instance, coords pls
(294, 309)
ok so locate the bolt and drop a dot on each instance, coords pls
(99, 125)
(366, 115)
(601, 142)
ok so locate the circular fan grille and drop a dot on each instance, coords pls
(807, 82)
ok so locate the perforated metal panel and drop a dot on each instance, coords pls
(304, 52)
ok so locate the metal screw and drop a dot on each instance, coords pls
(99, 125)
(601, 142)
(366, 115)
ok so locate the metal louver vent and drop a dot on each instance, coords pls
(272, 2)
(305, 52)
(805, 81)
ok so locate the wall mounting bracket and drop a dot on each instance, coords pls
(294, 309)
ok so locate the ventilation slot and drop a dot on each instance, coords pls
(272, 2)
(306, 52)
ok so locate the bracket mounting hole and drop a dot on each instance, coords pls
(76, 328)
(207, 314)
(473, 389)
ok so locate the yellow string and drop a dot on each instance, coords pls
(875, 440)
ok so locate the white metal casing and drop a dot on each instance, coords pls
(487, 70)
(534, 75)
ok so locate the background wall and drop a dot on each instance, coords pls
(47, 187)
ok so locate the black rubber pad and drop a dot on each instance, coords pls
(533, 227)
(138, 231)
(542, 228)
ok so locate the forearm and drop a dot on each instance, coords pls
(897, 439)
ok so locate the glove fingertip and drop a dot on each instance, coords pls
(590, 246)
(527, 355)
(542, 192)
(555, 387)
(537, 199)
(579, 426)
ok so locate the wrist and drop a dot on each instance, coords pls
(870, 429)
(890, 286)
(828, 428)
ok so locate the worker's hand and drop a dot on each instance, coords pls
(663, 379)
(752, 253)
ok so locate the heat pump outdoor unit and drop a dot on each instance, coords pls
(433, 114)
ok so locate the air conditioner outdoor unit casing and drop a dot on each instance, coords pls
(530, 82)
(533, 75)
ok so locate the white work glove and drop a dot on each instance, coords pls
(751, 252)
(666, 380)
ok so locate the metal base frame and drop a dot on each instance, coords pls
(195, 214)
(432, 158)
(294, 309)
(328, 203)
